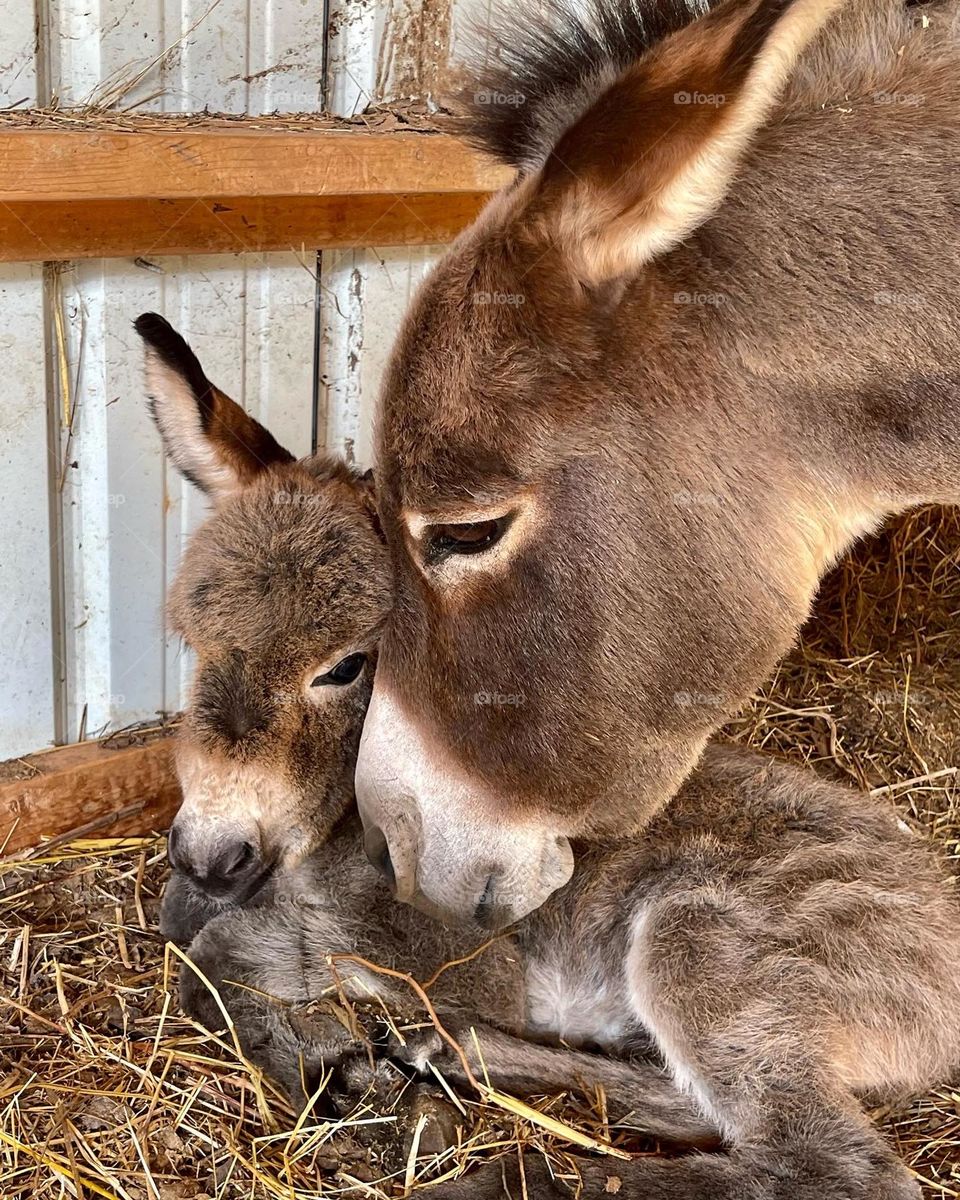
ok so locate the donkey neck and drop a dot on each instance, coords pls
(803, 463)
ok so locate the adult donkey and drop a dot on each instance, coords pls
(786, 949)
(704, 342)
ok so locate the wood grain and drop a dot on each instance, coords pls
(84, 193)
(87, 164)
(61, 230)
(90, 789)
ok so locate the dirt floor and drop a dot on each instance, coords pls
(106, 1091)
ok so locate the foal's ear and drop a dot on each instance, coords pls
(655, 154)
(208, 437)
(367, 490)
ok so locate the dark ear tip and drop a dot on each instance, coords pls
(150, 320)
(152, 327)
(171, 348)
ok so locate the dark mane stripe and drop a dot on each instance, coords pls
(532, 74)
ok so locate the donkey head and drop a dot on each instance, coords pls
(280, 594)
(568, 628)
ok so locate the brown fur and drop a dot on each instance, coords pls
(769, 950)
(680, 474)
(265, 759)
(781, 942)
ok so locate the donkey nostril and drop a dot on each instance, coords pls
(173, 839)
(384, 865)
(237, 859)
(378, 852)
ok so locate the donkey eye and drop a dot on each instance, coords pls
(469, 538)
(346, 671)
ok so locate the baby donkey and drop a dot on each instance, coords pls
(770, 951)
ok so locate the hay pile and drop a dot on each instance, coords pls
(872, 692)
(106, 1091)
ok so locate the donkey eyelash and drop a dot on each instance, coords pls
(464, 538)
(346, 671)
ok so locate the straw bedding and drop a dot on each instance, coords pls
(106, 1091)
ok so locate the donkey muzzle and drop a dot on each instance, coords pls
(218, 859)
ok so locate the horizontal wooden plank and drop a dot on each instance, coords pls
(140, 228)
(90, 193)
(89, 788)
(38, 164)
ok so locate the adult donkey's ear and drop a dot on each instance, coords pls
(653, 157)
(208, 437)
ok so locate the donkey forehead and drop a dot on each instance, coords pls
(485, 389)
(276, 568)
(494, 454)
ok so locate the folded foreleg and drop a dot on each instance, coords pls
(270, 968)
(637, 1092)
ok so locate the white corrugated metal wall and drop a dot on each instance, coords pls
(94, 520)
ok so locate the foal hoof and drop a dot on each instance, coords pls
(439, 1123)
(415, 1052)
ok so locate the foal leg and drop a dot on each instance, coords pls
(740, 1030)
(638, 1092)
(789, 1141)
(835, 1159)
(264, 965)
(802, 1145)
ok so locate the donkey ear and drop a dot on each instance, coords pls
(654, 156)
(208, 437)
(367, 490)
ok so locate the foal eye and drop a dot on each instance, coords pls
(469, 538)
(346, 671)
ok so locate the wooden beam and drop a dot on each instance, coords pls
(88, 164)
(74, 193)
(89, 789)
(144, 228)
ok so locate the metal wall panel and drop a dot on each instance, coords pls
(95, 605)
(237, 56)
(95, 519)
(377, 53)
(18, 57)
(27, 706)
(27, 594)
(365, 295)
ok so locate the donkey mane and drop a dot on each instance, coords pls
(533, 72)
